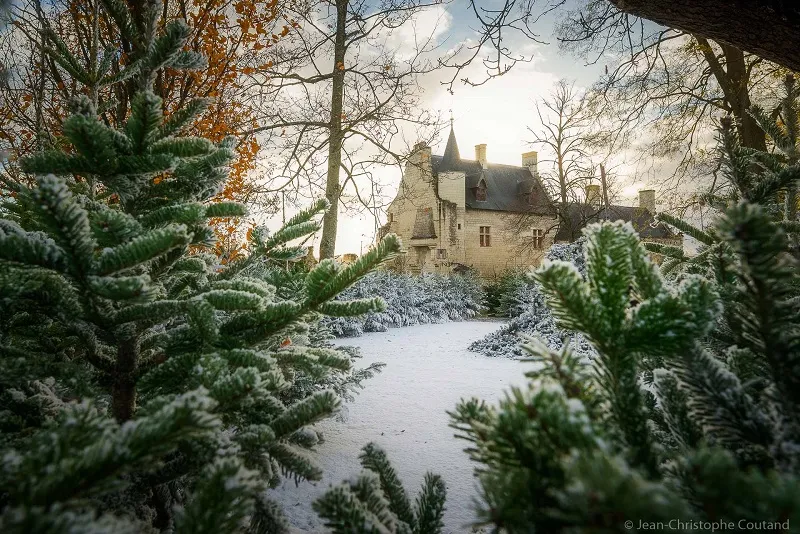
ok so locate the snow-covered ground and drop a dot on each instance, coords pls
(428, 369)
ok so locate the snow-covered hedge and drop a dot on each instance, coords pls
(531, 316)
(410, 299)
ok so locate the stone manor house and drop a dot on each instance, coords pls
(455, 213)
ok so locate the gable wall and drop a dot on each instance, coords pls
(415, 193)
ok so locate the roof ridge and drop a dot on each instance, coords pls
(490, 164)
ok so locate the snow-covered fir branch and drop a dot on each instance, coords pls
(410, 300)
(530, 315)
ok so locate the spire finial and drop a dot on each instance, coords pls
(451, 118)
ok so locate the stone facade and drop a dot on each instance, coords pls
(452, 212)
(440, 231)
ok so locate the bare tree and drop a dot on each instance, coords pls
(665, 70)
(567, 140)
(339, 97)
(564, 134)
(664, 90)
(495, 24)
(766, 28)
(662, 85)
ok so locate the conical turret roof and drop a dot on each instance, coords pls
(451, 156)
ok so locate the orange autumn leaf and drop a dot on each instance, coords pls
(226, 32)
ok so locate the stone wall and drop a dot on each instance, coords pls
(416, 192)
(507, 248)
(457, 240)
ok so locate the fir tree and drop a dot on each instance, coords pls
(764, 178)
(141, 383)
(376, 502)
(690, 408)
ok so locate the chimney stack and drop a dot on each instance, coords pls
(420, 160)
(593, 195)
(480, 154)
(647, 200)
(422, 152)
(531, 160)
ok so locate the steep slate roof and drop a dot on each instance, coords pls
(451, 155)
(577, 216)
(508, 187)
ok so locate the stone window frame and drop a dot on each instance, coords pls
(538, 238)
(441, 253)
(485, 236)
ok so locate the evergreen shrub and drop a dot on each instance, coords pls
(410, 300)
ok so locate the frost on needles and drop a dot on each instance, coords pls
(142, 384)
(376, 501)
(691, 408)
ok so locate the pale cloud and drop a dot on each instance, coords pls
(632, 190)
(425, 25)
(498, 113)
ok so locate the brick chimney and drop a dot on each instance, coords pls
(420, 160)
(480, 154)
(647, 200)
(593, 195)
(531, 160)
(421, 152)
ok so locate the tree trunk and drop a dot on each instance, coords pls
(123, 390)
(768, 28)
(562, 180)
(40, 86)
(604, 185)
(327, 246)
(751, 135)
(734, 80)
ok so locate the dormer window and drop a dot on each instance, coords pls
(480, 191)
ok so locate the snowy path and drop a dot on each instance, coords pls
(403, 410)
